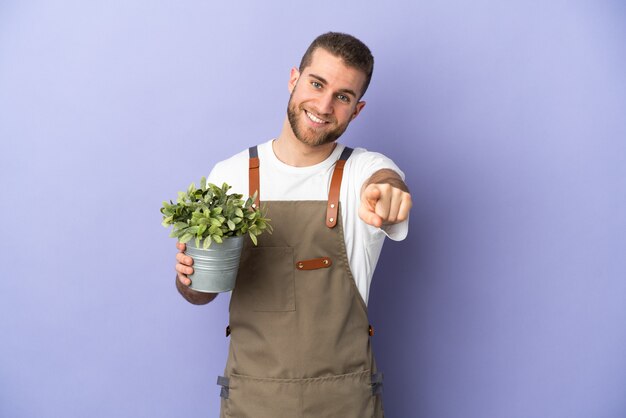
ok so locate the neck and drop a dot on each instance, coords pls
(290, 150)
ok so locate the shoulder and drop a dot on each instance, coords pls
(233, 171)
(363, 163)
(232, 162)
(238, 161)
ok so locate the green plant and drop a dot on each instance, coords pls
(211, 214)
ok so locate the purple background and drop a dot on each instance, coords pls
(507, 300)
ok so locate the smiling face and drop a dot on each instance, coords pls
(324, 98)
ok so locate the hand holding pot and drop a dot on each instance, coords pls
(183, 264)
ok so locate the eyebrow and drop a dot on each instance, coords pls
(347, 91)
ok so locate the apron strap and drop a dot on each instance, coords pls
(223, 382)
(253, 175)
(335, 183)
(335, 186)
(377, 383)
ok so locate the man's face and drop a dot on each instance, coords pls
(324, 98)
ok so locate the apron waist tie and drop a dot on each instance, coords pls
(223, 382)
(377, 383)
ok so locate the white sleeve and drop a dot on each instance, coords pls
(234, 172)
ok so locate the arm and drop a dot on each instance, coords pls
(183, 268)
(385, 199)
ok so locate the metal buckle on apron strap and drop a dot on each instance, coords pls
(377, 383)
(223, 382)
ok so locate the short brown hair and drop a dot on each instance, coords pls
(352, 51)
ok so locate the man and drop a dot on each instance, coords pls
(300, 337)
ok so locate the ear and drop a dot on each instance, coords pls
(357, 109)
(294, 75)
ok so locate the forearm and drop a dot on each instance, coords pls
(386, 176)
(192, 296)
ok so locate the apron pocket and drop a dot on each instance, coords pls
(343, 396)
(266, 282)
(251, 397)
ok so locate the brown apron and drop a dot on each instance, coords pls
(300, 336)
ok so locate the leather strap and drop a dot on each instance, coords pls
(314, 264)
(253, 175)
(333, 194)
(332, 208)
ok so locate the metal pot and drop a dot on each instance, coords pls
(215, 269)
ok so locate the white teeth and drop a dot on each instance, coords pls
(313, 118)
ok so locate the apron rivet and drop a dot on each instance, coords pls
(325, 262)
(332, 206)
(332, 219)
(300, 265)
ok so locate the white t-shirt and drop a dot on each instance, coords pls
(280, 181)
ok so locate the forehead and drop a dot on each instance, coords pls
(333, 69)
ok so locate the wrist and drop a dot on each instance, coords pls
(387, 176)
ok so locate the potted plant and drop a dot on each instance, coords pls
(213, 224)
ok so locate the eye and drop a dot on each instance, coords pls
(316, 85)
(343, 98)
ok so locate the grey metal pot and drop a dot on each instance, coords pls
(215, 269)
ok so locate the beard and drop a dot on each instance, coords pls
(307, 135)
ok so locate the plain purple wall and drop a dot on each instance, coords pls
(507, 300)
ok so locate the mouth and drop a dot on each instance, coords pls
(314, 118)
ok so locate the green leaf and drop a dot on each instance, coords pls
(203, 183)
(217, 238)
(191, 189)
(186, 238)
(239, 212)
(207, 242)
(253, 238)
(231, 225)
(198, 242)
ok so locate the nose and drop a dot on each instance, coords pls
(325, 104)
